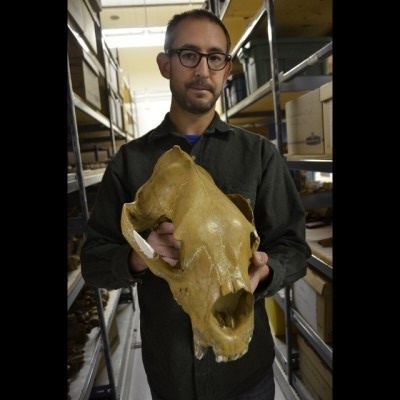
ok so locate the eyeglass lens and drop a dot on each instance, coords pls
(191, 58)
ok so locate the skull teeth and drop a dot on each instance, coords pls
(233, 358)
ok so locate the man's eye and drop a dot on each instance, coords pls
(215, 57)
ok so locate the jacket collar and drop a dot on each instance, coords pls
(166, 128)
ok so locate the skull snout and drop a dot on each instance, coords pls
(233, 310)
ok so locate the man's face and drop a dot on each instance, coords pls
(196, 90)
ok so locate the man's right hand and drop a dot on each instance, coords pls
(162, 241)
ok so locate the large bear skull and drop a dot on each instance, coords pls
(218, 238)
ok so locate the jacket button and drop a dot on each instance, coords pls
(193, 157)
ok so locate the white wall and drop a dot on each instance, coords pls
(150, 89)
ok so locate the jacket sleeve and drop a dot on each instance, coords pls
(280, 222)
(104, 255)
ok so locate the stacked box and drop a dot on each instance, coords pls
(235, 89)
(326, 98)
(309, 122)
(315, 374)
(85, 81)
(304, 124)
(312, 298)
(276, 316)
(256, 62)
(75, 11)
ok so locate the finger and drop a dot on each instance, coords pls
(165, 228)
(260, 258)
(169, 240)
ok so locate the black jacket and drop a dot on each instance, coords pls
(240, 162)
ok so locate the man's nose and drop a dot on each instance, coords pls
(202, 69)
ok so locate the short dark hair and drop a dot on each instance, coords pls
(195, 14)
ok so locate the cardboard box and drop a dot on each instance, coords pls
(89, 157)
(312, 298)
(309, 122)
(112, 73)
(314, 373)
(304, 124)
(89, 28)
(326, 97)
(75, 11)
(276, 316)
(85, 81)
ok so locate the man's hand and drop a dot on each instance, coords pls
(163, 243)
(258, 269)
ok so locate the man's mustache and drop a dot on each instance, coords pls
(200, 84)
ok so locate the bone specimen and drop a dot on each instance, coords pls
(217, 236)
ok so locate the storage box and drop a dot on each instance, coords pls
(116, 112)
(235, 89)
(304, 123)
(85, 81)
(112, 73)
(276, 316)
(89, 157)
(89, 30)
(326, 97)
(76, 12)
(256, 62)
(314, 373)
(312, 298)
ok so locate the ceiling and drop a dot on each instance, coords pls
(118, 14)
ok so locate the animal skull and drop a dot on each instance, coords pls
(217, 236)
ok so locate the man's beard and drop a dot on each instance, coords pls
(196, 106)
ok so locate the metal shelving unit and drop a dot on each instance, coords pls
(82, 384)
(90, 177)
(278, 18)
(75, 285)
(92, 118)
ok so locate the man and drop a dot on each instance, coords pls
(196, 62)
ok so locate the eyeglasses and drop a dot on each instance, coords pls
(191, 58)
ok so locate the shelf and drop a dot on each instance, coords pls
(90, 177)
(87, 53)
(280, 371)
(294, 18)
(318, 163)
(301, 389)
(80, 387)
(259, 104)
(127, 319)
(75, 284)
(324, 351)
(312, 201)
(317, 343)
(324, 255)
(237, 18)
(321, 266)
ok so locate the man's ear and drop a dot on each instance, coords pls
(228, 70)
(163, 63)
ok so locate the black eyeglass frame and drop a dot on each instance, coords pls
(228, 57)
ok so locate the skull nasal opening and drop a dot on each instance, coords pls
(232, 310)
